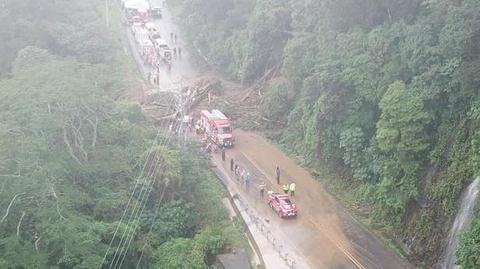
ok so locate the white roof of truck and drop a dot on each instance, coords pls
(217, 114)
(137, 4)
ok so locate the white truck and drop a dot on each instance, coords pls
(146, 48)
(163, 49)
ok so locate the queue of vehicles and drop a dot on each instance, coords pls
(214, 124)
(151, 46)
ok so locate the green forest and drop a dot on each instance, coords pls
(380, 97)
(72, 150)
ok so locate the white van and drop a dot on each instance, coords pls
(162, 48)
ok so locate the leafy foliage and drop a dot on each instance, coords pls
(71, 153)
(468, 255)
(386, 91)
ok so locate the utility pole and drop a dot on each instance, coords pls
(107, 15)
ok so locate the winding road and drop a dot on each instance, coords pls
(323, 234)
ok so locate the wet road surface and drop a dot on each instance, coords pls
(323, 232)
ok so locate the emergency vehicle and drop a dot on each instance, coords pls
(145, 46)
(217, 127)
(282, 205)
(163, 49)
(136, 11)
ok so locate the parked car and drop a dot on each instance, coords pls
(156, 12)
(163, 49)
(282, 205)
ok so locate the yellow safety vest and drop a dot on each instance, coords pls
(292, 187)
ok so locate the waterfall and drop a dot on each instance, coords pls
(462, 220)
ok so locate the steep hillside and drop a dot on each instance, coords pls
(86, 180)
(380, 96)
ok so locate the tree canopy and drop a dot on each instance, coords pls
(75, 159)
(381, 94)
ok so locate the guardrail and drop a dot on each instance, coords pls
(277, 245)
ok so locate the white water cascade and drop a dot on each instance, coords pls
(462, 220)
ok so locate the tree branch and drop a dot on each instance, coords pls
(79, 140)
(20, 223)
(56, 199)
(70, 149)
(94, 126)
(9, 206)
(11, 175)
(36, 242)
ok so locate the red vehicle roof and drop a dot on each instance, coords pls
(281, 196)
(221, 123)
(218, 119)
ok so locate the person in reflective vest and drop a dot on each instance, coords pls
(292, 189)
(247, 179)
(285, 188)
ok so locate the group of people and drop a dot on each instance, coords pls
(289, 188)
(243, 175)
(239, 172)
(177, 51)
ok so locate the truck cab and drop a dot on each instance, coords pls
(156, 12)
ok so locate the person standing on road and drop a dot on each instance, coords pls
(175, 52)
(171, 36)
(179, 52)
(285, 188)
(248, 179)
(223, 153)
(277, 172)
(242, 174)
(262, 187)
(292, 188)
(232, 163)
(237, 171)
(175, 38)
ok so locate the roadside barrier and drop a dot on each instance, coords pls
(277, 245)
(261, 225)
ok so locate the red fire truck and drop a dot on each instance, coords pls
(217, 127)
(136, 11)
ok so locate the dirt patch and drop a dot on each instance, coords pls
(324, 232)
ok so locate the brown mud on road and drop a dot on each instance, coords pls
(323, 232)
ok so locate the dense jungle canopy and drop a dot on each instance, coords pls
(72, 150)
